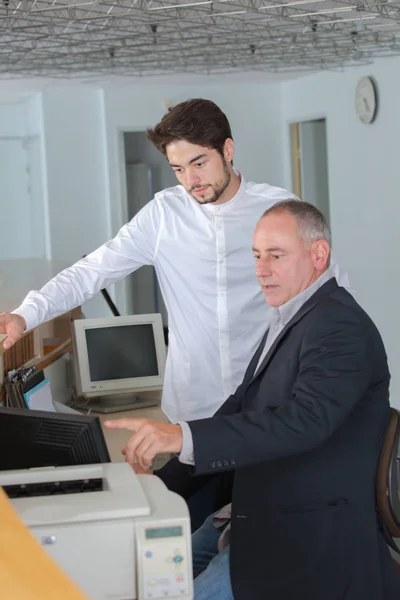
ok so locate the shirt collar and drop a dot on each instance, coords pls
(284, 313)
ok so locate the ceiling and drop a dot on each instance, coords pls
(75, 38)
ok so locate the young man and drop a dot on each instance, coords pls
(197, 236)
(303, 434)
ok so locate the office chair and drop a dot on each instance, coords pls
(388, 478)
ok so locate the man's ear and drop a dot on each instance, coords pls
(320, 251)
(229, 150)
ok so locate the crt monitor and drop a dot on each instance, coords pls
(116, 358)
(36, 438)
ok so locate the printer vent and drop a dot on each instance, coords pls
(68, 435)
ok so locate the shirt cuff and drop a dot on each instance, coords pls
(29, 313)
(187, 453)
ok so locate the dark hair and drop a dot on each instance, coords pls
(311, 223)
(196, 121)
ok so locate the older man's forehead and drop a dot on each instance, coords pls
(269, 249)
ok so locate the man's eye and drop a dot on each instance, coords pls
(177, 171)
(200, 164)
(277, 256)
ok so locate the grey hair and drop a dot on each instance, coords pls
(311, 223)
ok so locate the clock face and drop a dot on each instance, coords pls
(366, 100)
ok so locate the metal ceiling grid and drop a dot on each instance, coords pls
(74, 38)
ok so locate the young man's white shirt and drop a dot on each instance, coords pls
(205, 267)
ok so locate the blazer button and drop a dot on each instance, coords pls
(226, 463)
(219, 463)
(212, 465)
(233, 461)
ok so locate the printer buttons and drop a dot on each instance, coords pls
(177, 559)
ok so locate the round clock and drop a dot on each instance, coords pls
(366, 100)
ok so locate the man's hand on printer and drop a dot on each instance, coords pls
(139, 470)
(13, 326)
(149, 439)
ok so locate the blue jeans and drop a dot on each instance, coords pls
(210, 567)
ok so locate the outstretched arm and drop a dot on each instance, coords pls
(132, 247)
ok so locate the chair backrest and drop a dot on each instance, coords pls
(388, 478)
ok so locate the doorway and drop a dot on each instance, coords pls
(147, 172)
(310, 163)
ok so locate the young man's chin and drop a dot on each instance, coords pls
(206, 199)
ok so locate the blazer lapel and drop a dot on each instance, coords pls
(323, 291)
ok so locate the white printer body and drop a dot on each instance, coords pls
(129, 541)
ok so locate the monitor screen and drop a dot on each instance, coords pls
(117, 355)
(121, 352)
(35, 438)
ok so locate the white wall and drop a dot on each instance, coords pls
(13, 119)
(364, 186)
(22, 225)
(15, 200)
(78, 213)
(73, 138)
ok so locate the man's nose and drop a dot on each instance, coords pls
(263, 267)
(192, 178)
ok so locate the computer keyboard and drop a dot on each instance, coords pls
(53, 488)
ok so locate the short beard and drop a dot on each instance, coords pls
(219, 187)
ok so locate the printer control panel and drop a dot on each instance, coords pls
(164, 560)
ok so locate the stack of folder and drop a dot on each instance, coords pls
(19, 383)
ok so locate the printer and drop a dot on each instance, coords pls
(117, 535)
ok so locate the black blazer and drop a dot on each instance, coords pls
(304, 438)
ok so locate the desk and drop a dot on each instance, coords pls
(116, 439)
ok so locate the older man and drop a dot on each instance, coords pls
(302, 432)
